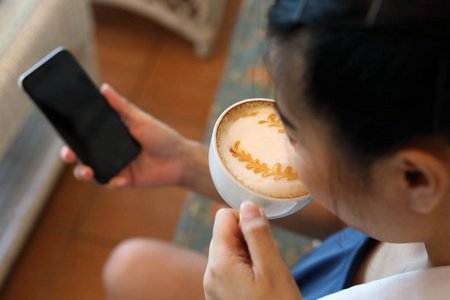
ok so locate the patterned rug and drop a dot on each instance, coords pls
(245, 76)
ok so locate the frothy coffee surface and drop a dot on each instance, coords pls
(255, 149)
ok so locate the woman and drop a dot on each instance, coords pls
(363, 91)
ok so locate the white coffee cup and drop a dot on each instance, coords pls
(234, 192)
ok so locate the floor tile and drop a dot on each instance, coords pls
(46, 252)
(81, 275)
(121, 214)
(66, 206)
(180, 82)
(128, 47)
(43, 259)
(29, 285)
(182, 87)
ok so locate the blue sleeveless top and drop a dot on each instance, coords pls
(331, 267)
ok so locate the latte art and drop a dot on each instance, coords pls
(259, 167)
(255, 149)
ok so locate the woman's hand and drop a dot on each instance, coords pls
(163, 156)
(244, 262)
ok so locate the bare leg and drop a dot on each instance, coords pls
(149, 269)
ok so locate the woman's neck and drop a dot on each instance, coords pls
(438, 249)
(391, 259)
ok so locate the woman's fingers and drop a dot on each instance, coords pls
(256, 230)
(118, 182)
(67, 155)
(226, 234)
(243, 260)
(126, 110)
(80, 172)
(83, 173)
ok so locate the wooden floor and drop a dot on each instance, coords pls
(82, 222)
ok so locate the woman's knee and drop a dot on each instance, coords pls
(130, 261)
(151, 269)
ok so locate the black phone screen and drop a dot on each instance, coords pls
(73, 104)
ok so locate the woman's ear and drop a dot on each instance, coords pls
(423, 177)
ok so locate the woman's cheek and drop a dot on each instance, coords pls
(310, 176)
(303, 171)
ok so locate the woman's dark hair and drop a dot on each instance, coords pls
(380, 86)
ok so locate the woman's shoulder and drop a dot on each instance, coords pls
(422, 284)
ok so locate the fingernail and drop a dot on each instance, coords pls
(120, 182)
(249, 210)
(63, 152)
(84, 173)
(104, 86)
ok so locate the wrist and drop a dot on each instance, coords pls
(194, 162)
(195, 175)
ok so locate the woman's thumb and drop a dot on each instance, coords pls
(256, 231)
(126, 110)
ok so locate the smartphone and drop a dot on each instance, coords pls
(71, 102)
